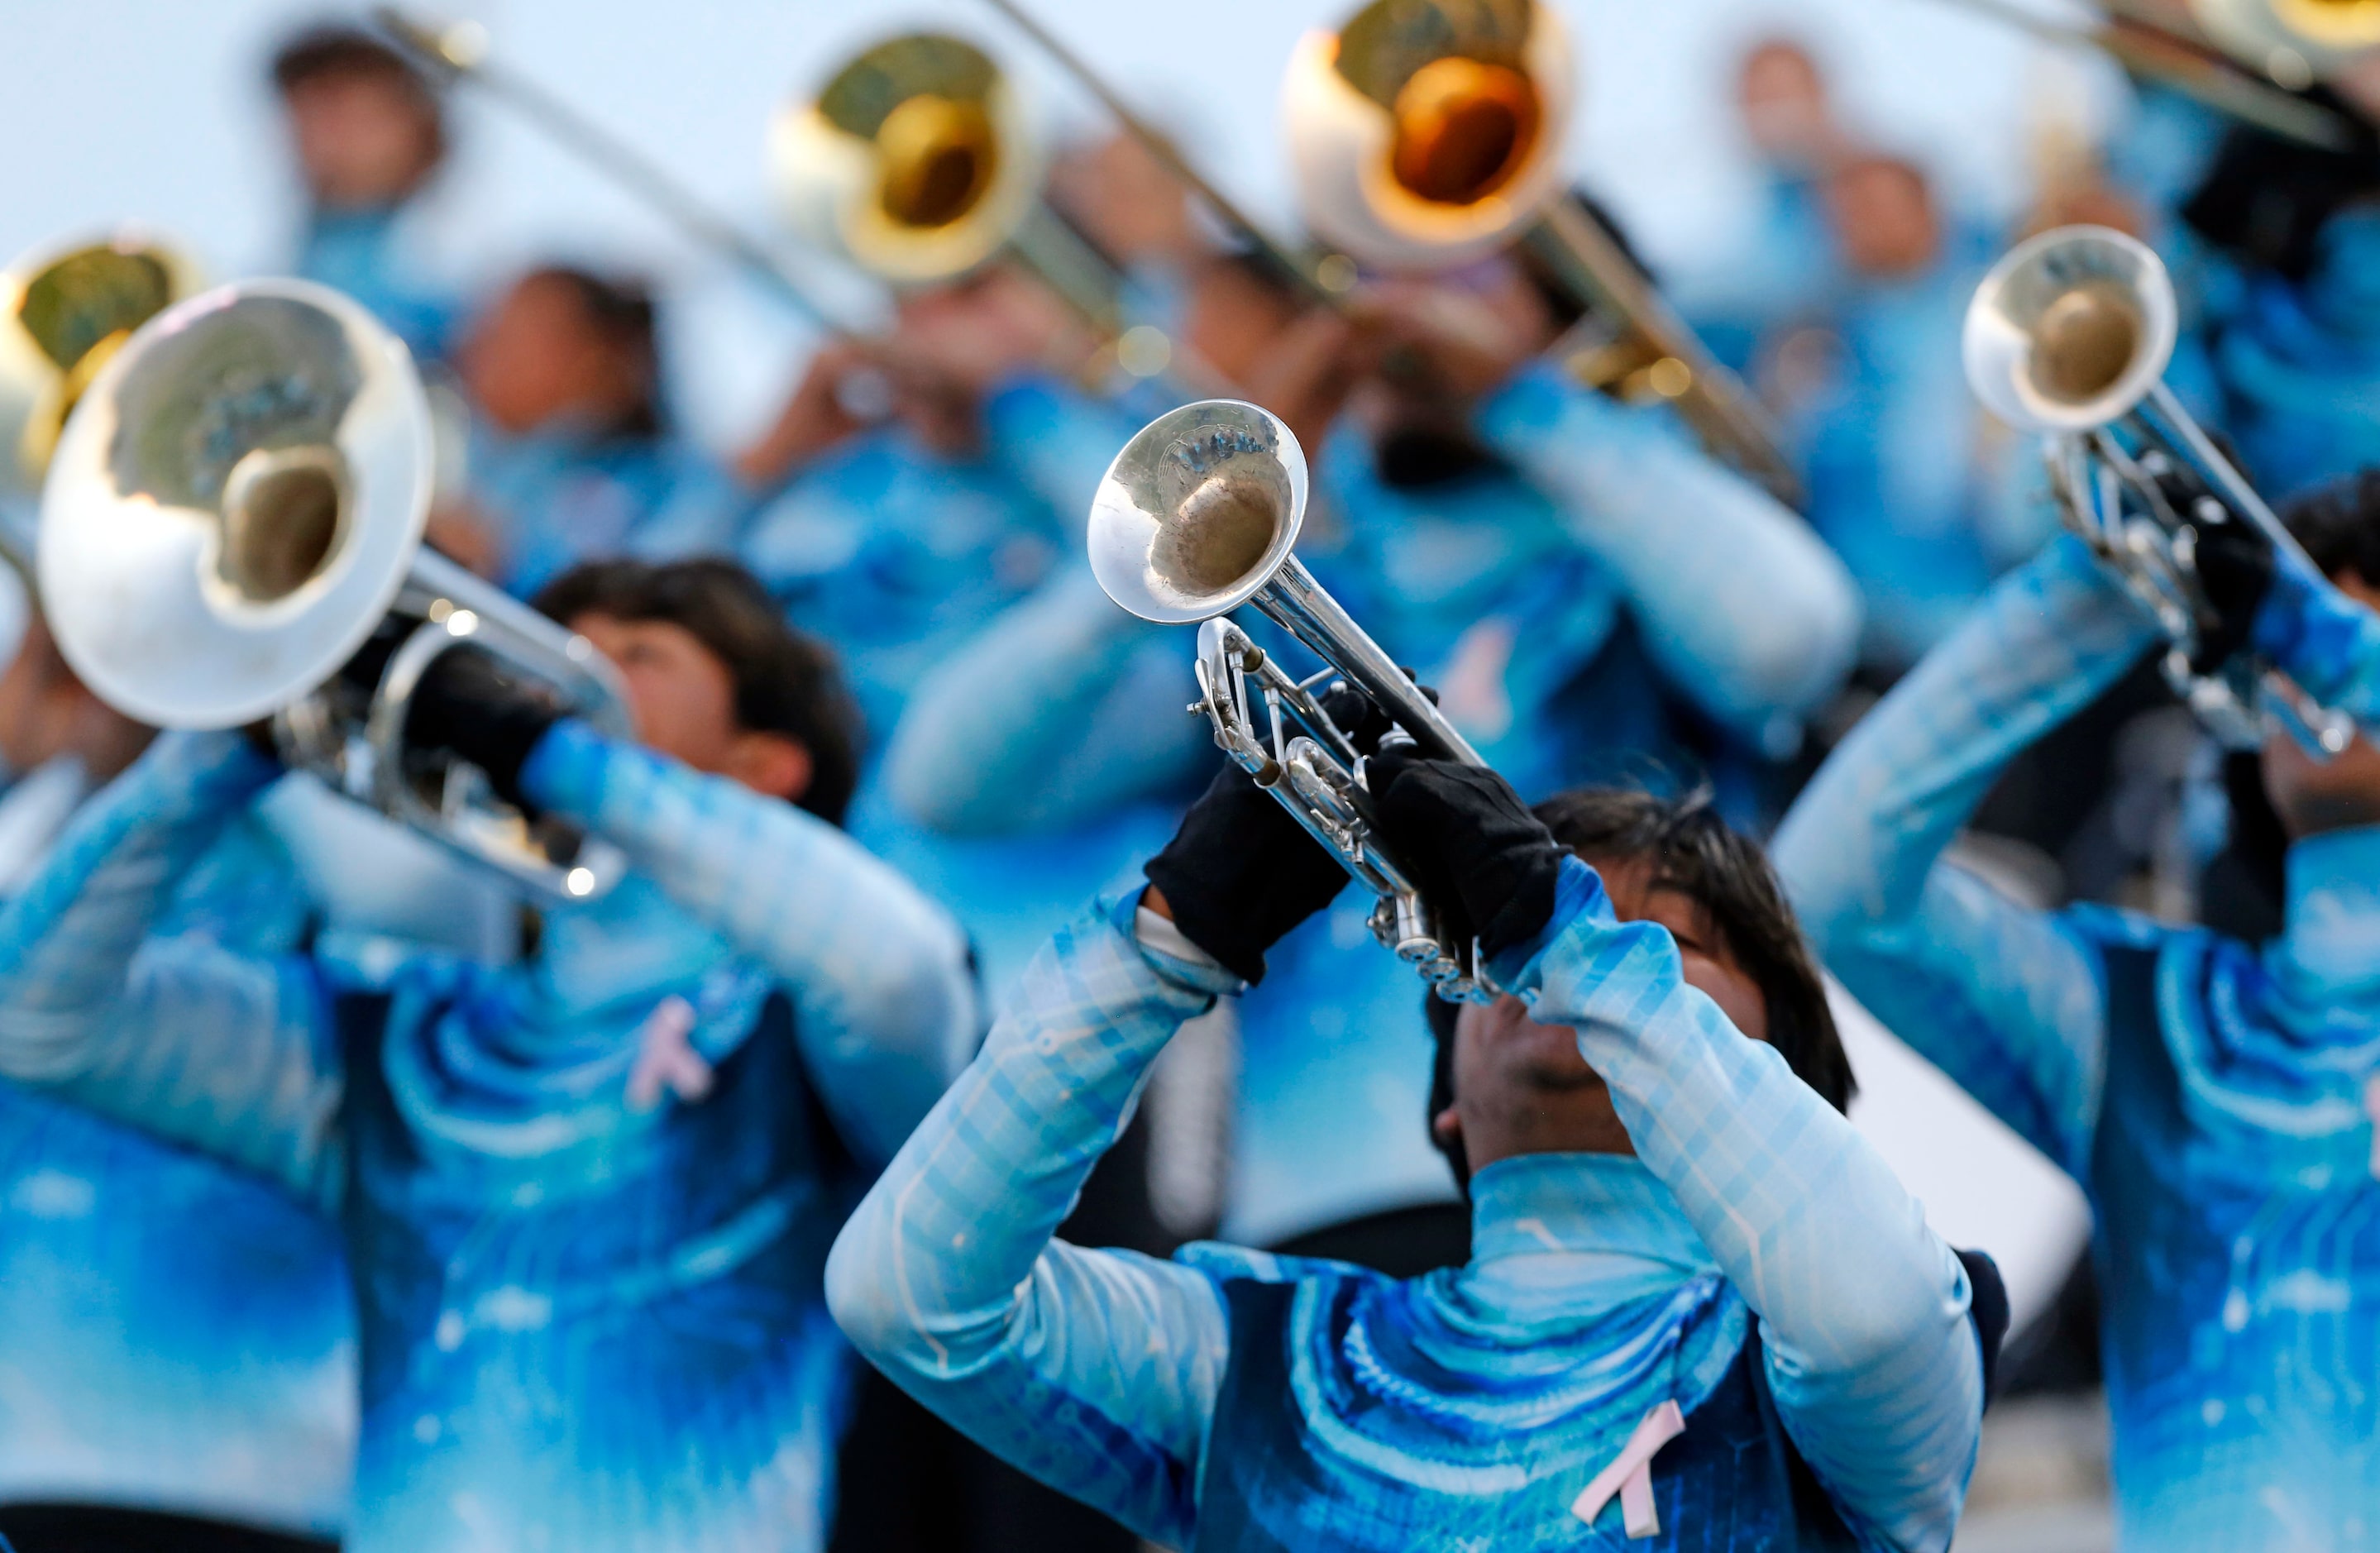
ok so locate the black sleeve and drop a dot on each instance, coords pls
(1988, 1308)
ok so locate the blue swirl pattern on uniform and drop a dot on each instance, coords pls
(585, 1196)
(2214, 1100)
(174, 1333)
(1471, 1400)
(2299, 363)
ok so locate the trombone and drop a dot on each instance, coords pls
(2253, 77)
(235, 508)
(1197, 517)
(916, 162)
(1425, 134)
(2068, 337)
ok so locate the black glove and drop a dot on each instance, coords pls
(1241, 873)
(1475, 851)
(468, 704)
(2235, 570)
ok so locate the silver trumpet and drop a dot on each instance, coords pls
(235, 508)
(2068, 337)
(1197, 517)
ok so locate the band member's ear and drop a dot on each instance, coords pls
(771, 763)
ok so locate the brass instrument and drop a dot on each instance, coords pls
(1197, 516)
(2068, 337)
(459, 53)
(2257, 89)
(65, 312)
(235, 508)
(1428, 133)
(2294, 41)
(916, 161)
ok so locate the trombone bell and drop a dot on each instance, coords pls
(914, 161)
(1422, 135)
(63, 313)
(2071, 330)
(2294, 41)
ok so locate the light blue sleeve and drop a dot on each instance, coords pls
(180, 1037)
(1096, 1372)
(877, 971)
(2327, 641)
(1875, 1365)
(2008, 1000)
(1063, 708)
(1056, 442)
(1741, 602)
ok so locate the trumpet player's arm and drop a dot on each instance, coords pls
(1742, 603)
(1094, 1371)
(877, 971)
(2009, 1000)
(1063, 708)
(2325, 640)
(1055, 442)
(227, 1053)
(1877, 1371)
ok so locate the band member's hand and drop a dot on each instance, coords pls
(1241, 872)
(2235, 569)
(1468, 339)
(468, 704)
(1471, 842)
(841, 393)
(1312, 368)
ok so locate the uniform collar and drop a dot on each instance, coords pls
(1573, 1224)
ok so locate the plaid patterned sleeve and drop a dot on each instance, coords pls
(1096, 1372)
(878, 971)
(1743, 605)
(2005, 1000)
(1875, 1369)
(180, 1037)
(2324, 640)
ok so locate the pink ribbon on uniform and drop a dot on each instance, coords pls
(1630, 1474)
(665, 1058)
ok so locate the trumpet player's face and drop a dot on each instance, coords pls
(681, 700)
(1521, 1087)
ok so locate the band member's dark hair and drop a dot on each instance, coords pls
(621, 309)
(2242, 887)
(1696, 852)
(785, 681)
(334, 49)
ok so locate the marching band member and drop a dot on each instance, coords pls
(573, 457)
(2215, 1099)
(368, 134)
(1697, 1308)
(176, 1332)
(586, 1197)
(1594, 597)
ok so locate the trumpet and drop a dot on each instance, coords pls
(235, 508)
(916, 162)
(2068, 337)
(65, 311)
(1197, 517)
(1424, 134)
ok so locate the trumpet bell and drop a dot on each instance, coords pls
(2071, 330)
(1198, 512)
(1423, 133)
(235, 504)
(64, 312)
(915, 161)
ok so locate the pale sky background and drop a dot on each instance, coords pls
(154, 111)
